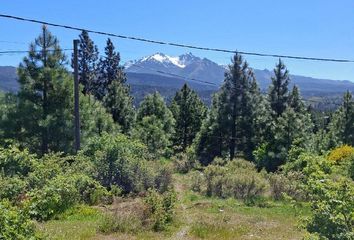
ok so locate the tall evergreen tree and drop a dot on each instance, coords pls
(295, 101)
(341, 127)
(155, 124)
(40, 117)
(278, 91)
(348, 121)
(189, 112)
(113, 90)
(109, 70)
(87, 64)
(40, 97)
(234, 112)
(119, 103)
(211, 140)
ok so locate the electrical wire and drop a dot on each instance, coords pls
(176, 44)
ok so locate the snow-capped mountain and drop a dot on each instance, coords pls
(186, 65)
(193, 67)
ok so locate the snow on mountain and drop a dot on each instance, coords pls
(189, 66)
(186, 65)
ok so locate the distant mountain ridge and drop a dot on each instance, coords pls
(192, 67)
(166, 74)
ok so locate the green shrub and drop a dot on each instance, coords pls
(161, 207)
(311, 165)
(12, 188)
(237, 178)
(163, 178)
(290, 183)
(184, 162)
(123, 162)
(15, 223)
(54, 198)
(15, 162)
(197, 181)
(332, 209)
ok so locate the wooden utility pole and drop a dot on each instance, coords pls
(76, 97)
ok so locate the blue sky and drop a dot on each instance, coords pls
(315, 28)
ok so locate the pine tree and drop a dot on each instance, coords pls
(41, 97)
(211, 140)
(119, 103)
(189, 112)
(341, 127)
(295, 101)
(233, 113)
(155, 124)
(288, 129)
(278, 92)
(113, 90)
(348, 121)
(109, 70)
(87, 64)
(41, 115)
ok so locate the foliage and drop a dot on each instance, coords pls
(291, 129)
(54, 198)
(232, 125)
(15, 223)
(340, 153)
(161, 207)
(332, 209)
(184, 162)
(113, 90)
(155, 124)
(290, 183)
(122, 162)
(237, 178)
(12, 188)
(189, 111)
(278, 90)
(14, 162)
(120, 104)
(87, 64)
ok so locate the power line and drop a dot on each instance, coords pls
(177, 44)
(27, 51)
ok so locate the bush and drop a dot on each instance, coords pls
(290, 183)
(310, 165)
(15, 162)
(15, 223)
(90, 191)
(163, 178)
(197, 181)
(161, 207)
(332, 209)
(54, 198)
(237, 178)
(339, 154)
(184, 162)
(123, 162)
(12, 188)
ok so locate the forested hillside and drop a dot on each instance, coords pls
(252, 164)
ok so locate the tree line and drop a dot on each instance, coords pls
(241, 121)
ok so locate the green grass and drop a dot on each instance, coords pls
(79, 223)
